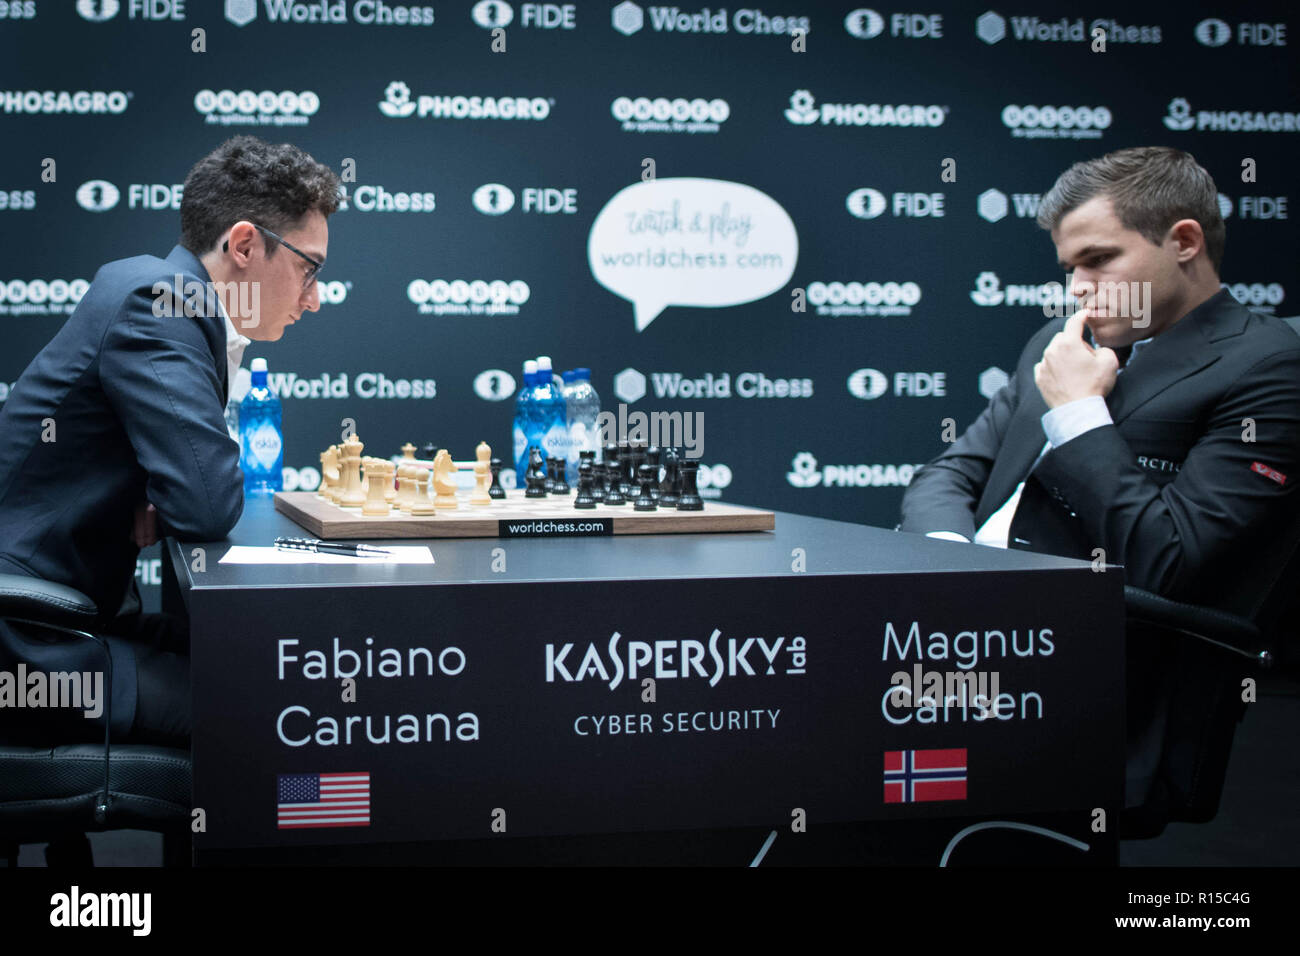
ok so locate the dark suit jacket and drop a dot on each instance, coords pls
(1172, 490)
(137, 402)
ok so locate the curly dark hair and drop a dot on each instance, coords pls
(248, 178)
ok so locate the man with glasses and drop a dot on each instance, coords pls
(116, 431)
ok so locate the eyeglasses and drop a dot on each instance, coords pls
(316, 264)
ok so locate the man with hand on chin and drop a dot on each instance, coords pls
(1171, 444)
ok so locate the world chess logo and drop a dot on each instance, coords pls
(493, 199)
(992, 381)
(1179, 118)
(864, 24)
(397, 100)
(494, 385)
(805, 473)
(1212, 32)
(98, 195)
(97, 11)
(627, 18)
(992, 205)
(865, 203)
(490, 14)
(988, 289)
(802, 112)
(241, 12)
(990, 27)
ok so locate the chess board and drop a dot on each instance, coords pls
(517, 516)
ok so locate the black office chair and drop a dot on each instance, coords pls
(55, 793)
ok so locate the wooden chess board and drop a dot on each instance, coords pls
(516, 516)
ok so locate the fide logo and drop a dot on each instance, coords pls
(494, 385)
(867, 383)
(1212, 32)
(864, 24)
(1179, 118)
(490, 14)
(494, 199)
(98, 195)
(397, 100)
(865, 203)
(97, 11)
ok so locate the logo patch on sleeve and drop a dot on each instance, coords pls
(1267, 472)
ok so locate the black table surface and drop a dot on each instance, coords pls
(829, 547)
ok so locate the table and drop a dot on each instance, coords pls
(552, 690)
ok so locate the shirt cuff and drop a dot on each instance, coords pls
(1068, 421)
(948, 536)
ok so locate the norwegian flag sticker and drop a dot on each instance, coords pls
(1263, 469)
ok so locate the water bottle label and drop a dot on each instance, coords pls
(521, 443)
(580, 438)
(265, 445)
(556, 442)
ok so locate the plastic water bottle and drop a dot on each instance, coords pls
(261, 437)
(583, 410)
(552, 428)
(544, 365)
(523, 413)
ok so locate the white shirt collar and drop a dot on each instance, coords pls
(235, 345)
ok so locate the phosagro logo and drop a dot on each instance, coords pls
(397, 104)
(61, 101)
(989, 292)
(97, 195)
(494, 385)
(662, 115)
(461, 297)
(806, 473)
(1056, 122)
(1180, 119)
(864, 298)
(41, 297)
(803, 112)
(247, 108)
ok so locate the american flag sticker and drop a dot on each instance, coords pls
(307, 800)
(916, 776)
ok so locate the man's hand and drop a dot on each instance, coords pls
(1072, 369)
(145, 532)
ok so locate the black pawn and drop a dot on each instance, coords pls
(428, 451)
(549, 471)
(652, 456)
(597, 480)
(613, 469)
(614, 493)
(585, 499)
(690, 499)
(626, 476)
(644, 500)
(535, 476)
(668, 487)
(559, 484)
(495, 490)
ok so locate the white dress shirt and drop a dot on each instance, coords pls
(235, 345)
(1060, 424)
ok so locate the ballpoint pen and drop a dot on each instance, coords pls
(329, 547)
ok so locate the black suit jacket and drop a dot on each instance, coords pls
(134, 402)
(1174, 490)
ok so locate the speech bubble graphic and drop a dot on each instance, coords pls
(695, 242)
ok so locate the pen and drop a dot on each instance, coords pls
(328, 547)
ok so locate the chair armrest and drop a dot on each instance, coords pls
(44, 602)
(1229, 631)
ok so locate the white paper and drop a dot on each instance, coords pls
(402, 554)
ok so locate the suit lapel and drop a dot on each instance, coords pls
(1171, 356)
(1019, 451)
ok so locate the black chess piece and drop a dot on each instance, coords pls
(597, 480)
(625, 474)
(495, 490)
(668, 486)
(614, 491)
(535, 476)
(644, 500)
(613, 468)
(559, 483)
(429, 451)
(690, 499)
(652, 456)
(585, 499)
(549, 471)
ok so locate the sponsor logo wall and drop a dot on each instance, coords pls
(838, 250)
